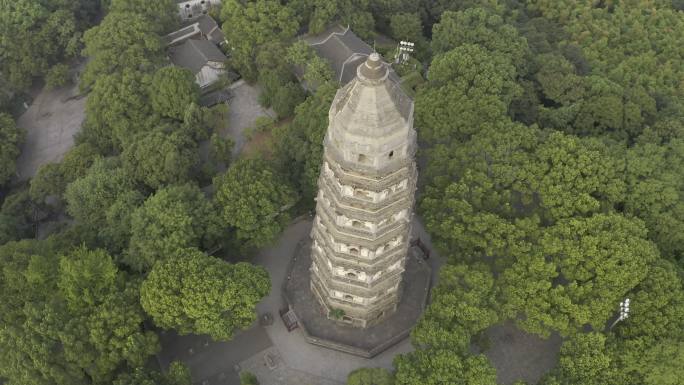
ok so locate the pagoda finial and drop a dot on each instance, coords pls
(373, 68)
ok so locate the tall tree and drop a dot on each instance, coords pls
(158, 158)
(354, 13)
(249, 25)
(17, 217)
(632, 76)
(461, 96)
(476, 192)
(102, 300)
(370, 376)
(124, 40)
(463, 304)
(177, 374)
(255, 200)
(117, 108)
(583, 360)
(298, 147)
(172, 90)
(586, 266)
(89, 197)
(572, 177)
(34, 35)
(174, 218)
(640, 362)
(654, 187)
(161, 14)
(53, 178)
(483, 27)
(442, 366)
(73, 319)
(11, 138)
(657, 305)
(408, 26)
(195, 293)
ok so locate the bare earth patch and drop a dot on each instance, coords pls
(50, 123)
(518, 355)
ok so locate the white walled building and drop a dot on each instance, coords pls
(192, 9)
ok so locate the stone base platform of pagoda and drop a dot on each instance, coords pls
(320, 330)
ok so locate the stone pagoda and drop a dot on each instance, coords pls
(365, 199)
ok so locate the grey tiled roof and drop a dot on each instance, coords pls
(210, 28)
(344, 50)
(204, 25)
(185, 32)
(194, 54)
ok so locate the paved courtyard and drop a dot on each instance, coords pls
(244, 110)
(213, 362)
(518, 355)
(279, 357)
(50, 123)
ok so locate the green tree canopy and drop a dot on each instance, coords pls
(34, 35)
(100, 300)
(199, 122)
(195, 293)
(642, 362)
(177, 374)
(657, 305)
(248, 378)
(124, 40)
(59, 315)
(11, 138)
(89, 197)
(475, 192)
(583, 269)
(161, 14)
(574, 177)
(250, 25)
(632, 81)
(355, 13)
(17, 217)
(117, 108)
(583, 360)
(408, 26)
(483, 27)
(438, 366)
(370, 376)
(298, 147)
(654, 187)
(255, 200)
(174, 218)
(463, 304)
(468, 87)
(172, 90)
(159, 158)
(280, 90)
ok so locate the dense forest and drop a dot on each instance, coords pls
(551, 155)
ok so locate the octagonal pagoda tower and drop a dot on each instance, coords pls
(365, 198)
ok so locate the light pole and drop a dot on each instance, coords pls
(624, 312)
(403, 50)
